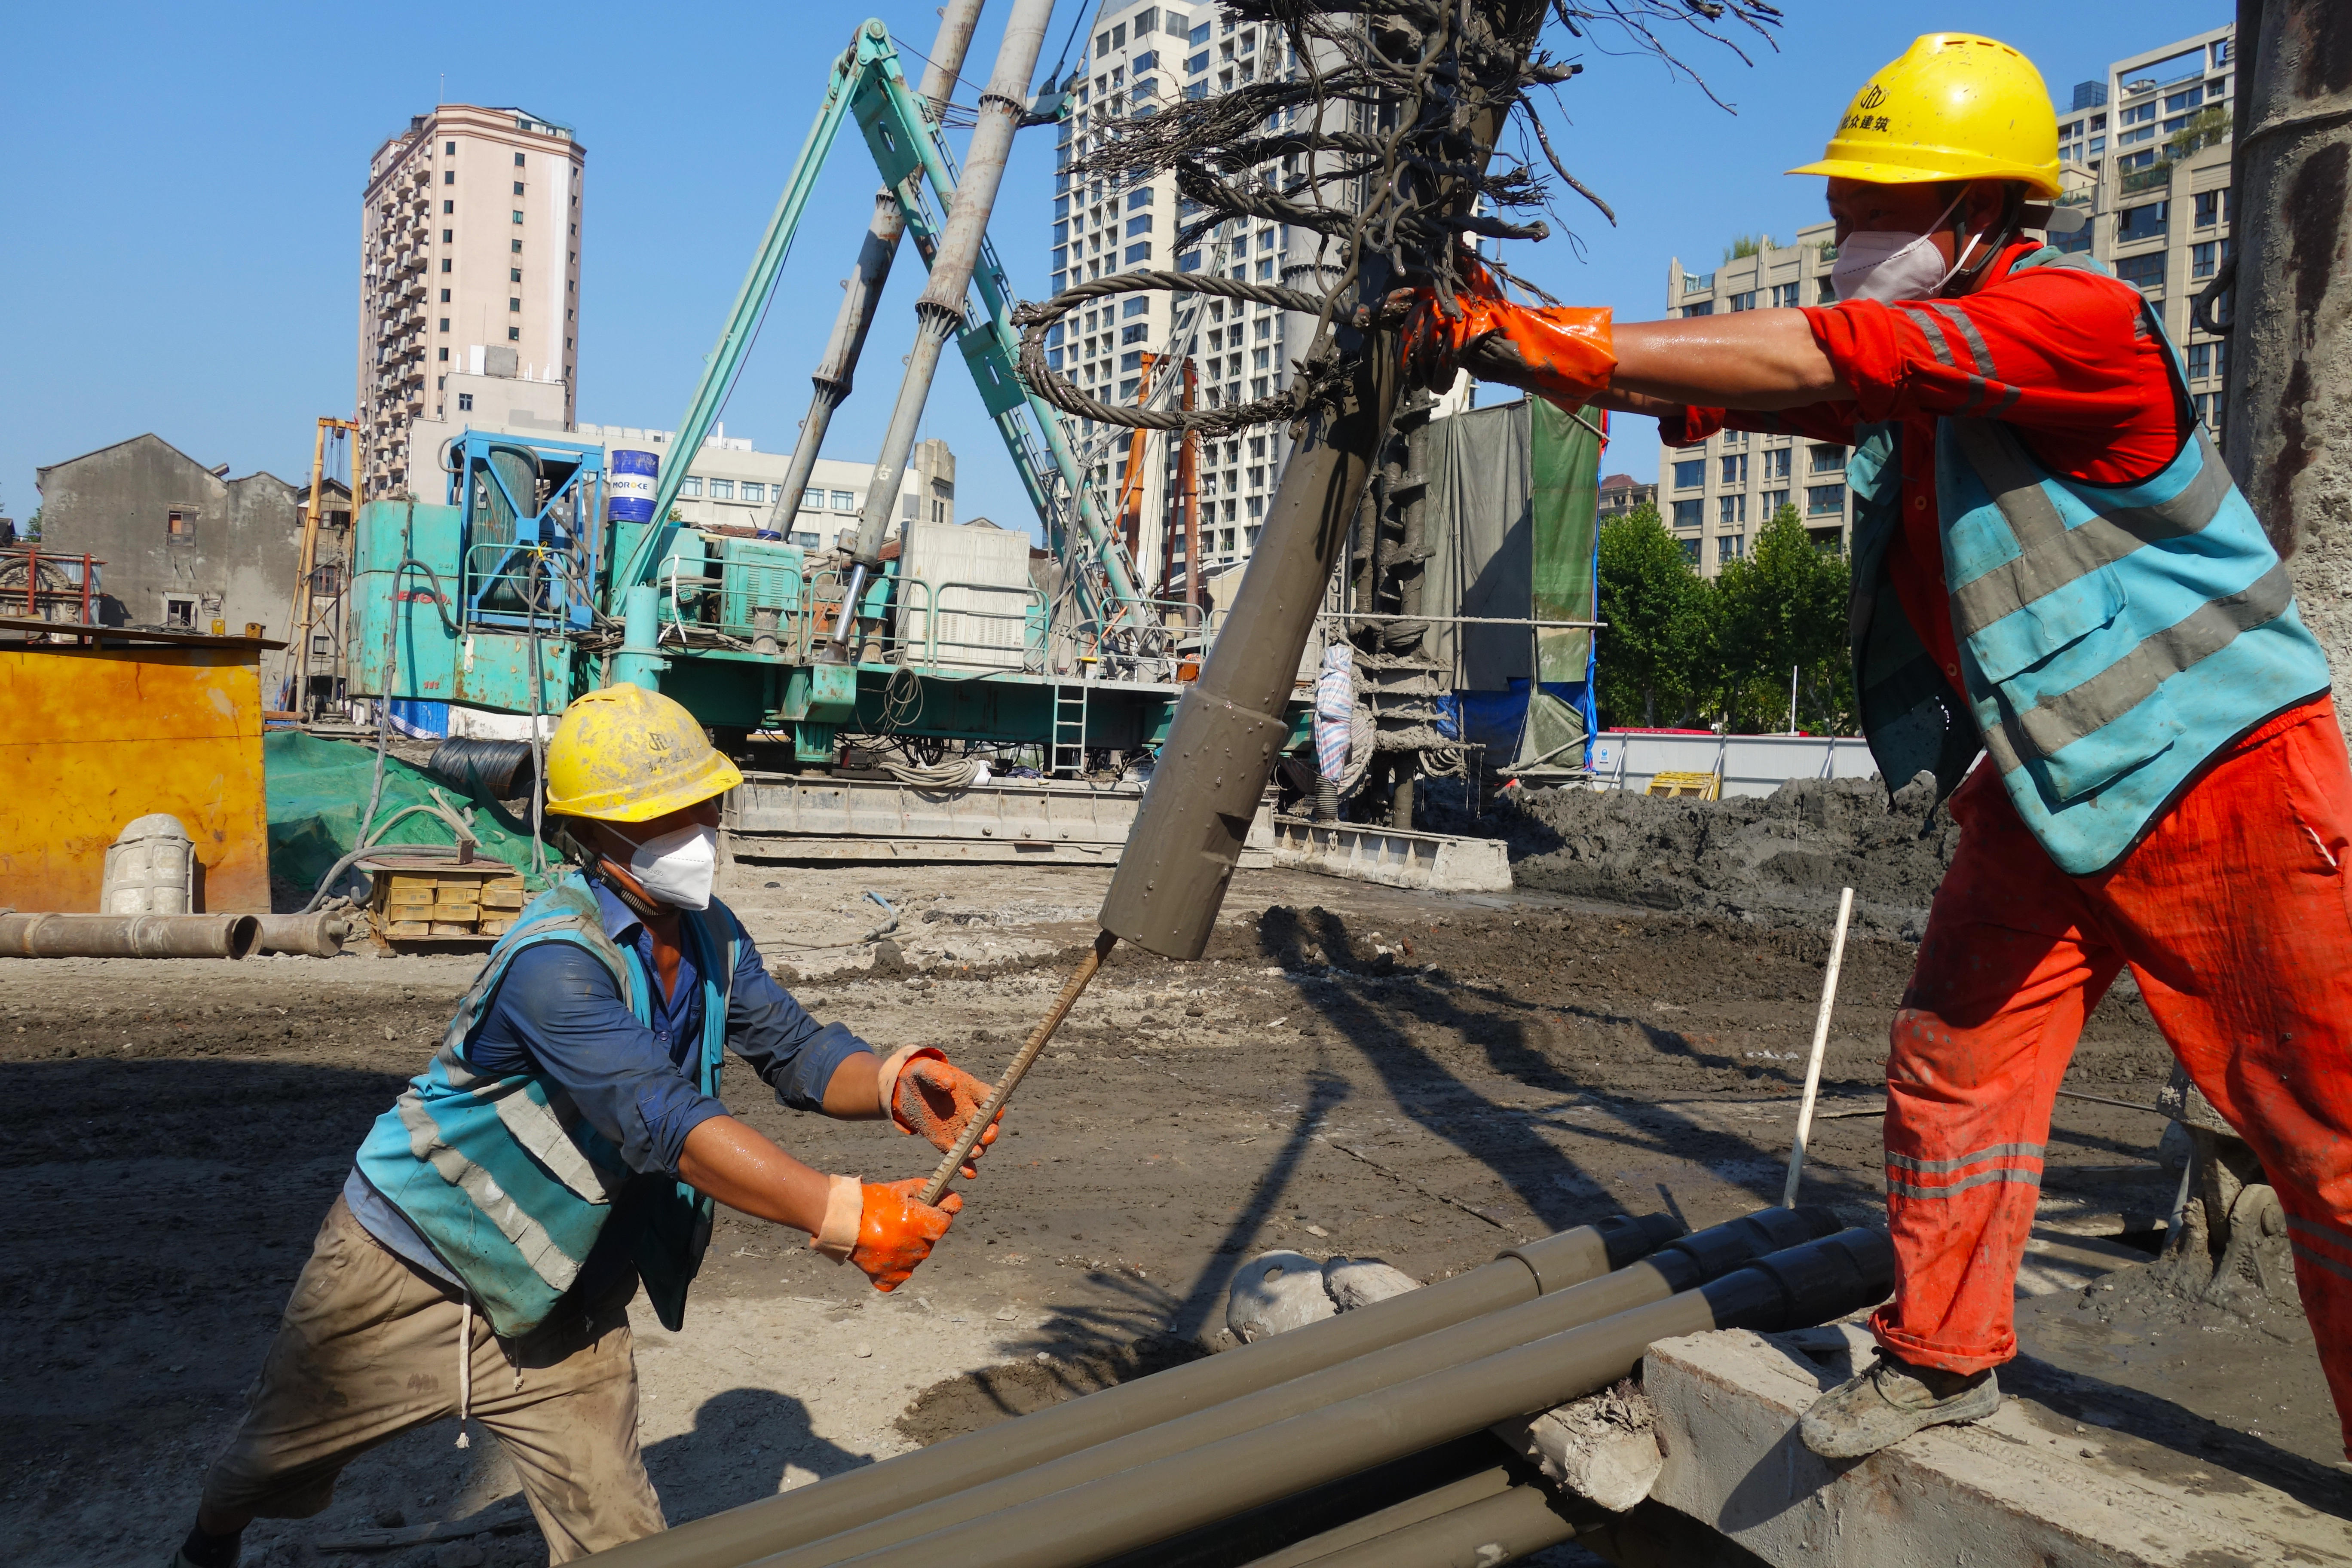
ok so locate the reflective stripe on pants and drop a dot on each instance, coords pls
(2235, 915)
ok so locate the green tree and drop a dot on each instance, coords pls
(1783, 609)
(1744, 245)
(2209, 127)
(1658, 650)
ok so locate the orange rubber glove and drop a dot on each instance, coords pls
(883, 1227)
(928, 1095)
(1561, 354)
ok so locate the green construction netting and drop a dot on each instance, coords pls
(317, 788)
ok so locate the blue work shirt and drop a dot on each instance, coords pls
(559, 1012)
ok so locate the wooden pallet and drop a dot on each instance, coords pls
(414, 899)
(1699, 787)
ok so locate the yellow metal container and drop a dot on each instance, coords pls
(92, 737)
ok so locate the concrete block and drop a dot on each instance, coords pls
(1392, 857)
(2027, 1486)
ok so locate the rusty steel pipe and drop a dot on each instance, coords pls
(854, 1498)
(318, 935)
(1132, 1508)
(1680, 1265)
(128, 936)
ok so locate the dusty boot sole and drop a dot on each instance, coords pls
(1856, 1418)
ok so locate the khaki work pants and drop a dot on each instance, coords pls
(368, 1350)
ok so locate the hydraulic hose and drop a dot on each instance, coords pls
(848, 1500)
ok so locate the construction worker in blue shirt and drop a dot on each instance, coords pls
(565, 1145)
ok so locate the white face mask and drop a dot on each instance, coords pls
(1875, 264)
(677, 868)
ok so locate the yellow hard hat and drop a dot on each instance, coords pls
(627, 754)
(1954, 107)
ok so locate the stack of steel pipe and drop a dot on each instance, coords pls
(1188, 1450)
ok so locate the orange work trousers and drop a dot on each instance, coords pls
(2235, 915)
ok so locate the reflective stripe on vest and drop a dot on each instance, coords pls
(2112, 637)
(502, 1176)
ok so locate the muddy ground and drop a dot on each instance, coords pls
(1350, 1069)
(1777, 859)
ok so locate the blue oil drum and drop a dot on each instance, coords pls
(630, 482)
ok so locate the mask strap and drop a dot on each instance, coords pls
(1961, 261)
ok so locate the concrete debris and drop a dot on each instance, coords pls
(1274, 1292)
(1603, 1447)
(1353, 1282)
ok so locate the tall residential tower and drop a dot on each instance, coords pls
(469, 264)
(1140, 60)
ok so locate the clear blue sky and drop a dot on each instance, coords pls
(181, 189)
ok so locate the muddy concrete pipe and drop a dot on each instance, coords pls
(128, 936)
(321, 934)
(1436, 1502)
(856, 1497)
(1503, 1528)
(1694, 1260)
(1083, 1524)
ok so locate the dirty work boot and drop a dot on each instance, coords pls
(1327, 801)
(1891, 1401)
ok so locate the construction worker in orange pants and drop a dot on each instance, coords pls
(2053, 570)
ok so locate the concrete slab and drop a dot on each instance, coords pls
(1393, 856)
(2031, 1485)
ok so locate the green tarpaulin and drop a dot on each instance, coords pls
(318, 789)
(1564, 499)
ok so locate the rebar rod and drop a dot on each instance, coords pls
(983, 1119)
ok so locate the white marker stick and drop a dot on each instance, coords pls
(1820, 1044)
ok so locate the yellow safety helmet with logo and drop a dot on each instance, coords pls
(1954, 107)
(627, 754)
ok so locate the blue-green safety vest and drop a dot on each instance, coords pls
(503, 1176)
(2112, 637)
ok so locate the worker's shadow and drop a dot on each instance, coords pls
(1325, 1090)
(743, 1445)
(1555, 1188)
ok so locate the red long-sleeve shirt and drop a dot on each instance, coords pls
(2060, 354)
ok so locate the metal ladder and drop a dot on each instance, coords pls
(1069, 739)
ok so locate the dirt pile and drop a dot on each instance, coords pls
(1777, 859)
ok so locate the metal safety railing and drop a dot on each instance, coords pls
(38, 585)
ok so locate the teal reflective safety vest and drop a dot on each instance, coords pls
(504, 1177)
(2112, 637)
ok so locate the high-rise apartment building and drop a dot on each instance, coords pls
(2151, 160)
(469, 264)
(1141, 59)
(1718, 496)
(2146, 149)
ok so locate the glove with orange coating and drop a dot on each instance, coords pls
(928, 1095)
(883, 1227)
(1561, 352)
